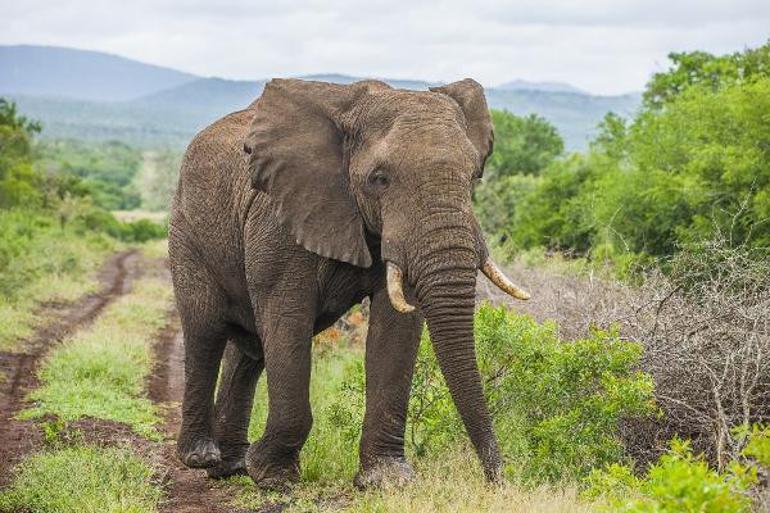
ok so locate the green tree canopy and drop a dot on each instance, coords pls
(693, 164)
(704, 69)
(17, 176)
(524, 145)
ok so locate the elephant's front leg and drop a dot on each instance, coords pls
(273, 461)
(391, 350)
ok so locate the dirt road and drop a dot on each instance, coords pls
(187, 491)
(18, 438)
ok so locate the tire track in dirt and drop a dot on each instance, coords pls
(18, 438)
(189, 490)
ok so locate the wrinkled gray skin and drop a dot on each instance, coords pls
(283, 219)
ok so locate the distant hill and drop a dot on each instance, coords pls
(81, 74)
(576, 116)
(93, 95)
(203, 100)
(551, 87)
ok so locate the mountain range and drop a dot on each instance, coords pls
(95, 95)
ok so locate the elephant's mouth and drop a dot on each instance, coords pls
(395, 283)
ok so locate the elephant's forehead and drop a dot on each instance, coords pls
(434, 144)
(413, 106)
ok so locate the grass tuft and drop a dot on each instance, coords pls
(455, 483)
(82, 480)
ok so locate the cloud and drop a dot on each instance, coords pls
(598, 45)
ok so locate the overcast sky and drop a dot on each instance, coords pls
(603, 46)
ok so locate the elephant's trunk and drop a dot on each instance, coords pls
(445, 283)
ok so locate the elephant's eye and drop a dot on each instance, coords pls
(379, 180)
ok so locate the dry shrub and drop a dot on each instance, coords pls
(706, 330)
(577, 298)
(705, 326)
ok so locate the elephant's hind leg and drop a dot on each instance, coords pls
(202, 309)
(235, 398)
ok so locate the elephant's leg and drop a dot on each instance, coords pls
(235, 397)
(201, 309)
(391, 350)
(273, 461)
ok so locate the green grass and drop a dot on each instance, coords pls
(330, 456)
(83, 480)
(101, 371)
(39, 262)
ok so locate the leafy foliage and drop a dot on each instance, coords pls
(523, 147)
(679, 481)
(68, 180)
(17, 178)
(523, 144)
(556, 405)
(105, 171)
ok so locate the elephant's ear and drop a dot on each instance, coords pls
(469, 95)
(297, 157)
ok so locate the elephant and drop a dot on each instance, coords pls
(291, 211)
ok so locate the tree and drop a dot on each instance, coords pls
(524, 145)
(18, 179)
(704, 69)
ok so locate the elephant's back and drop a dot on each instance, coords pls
(213, 184)
(214, 162)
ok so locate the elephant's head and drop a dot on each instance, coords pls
(350, 165)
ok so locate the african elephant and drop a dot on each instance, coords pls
(291, 211)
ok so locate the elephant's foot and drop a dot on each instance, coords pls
(280, 475)
(227, 468)
(386, 471)
(198, 452)
(233, 462)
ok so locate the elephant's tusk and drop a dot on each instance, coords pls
(396, 289)
(497, 277)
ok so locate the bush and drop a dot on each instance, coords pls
(679, 482)
(556, 405)
(106, 170)
(140, 230)
(524, 145)
(32, 244)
